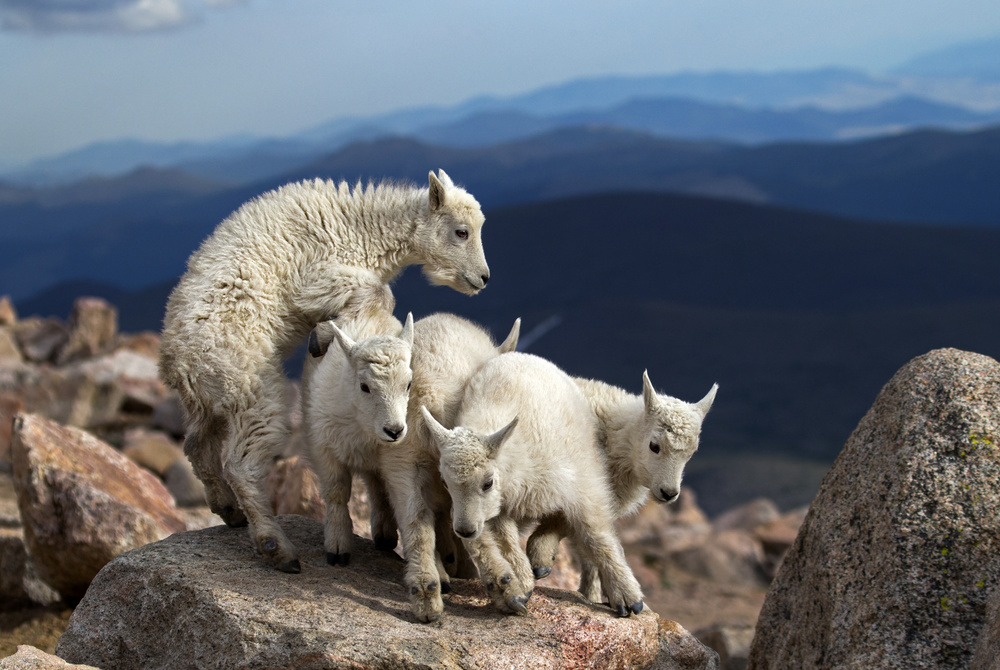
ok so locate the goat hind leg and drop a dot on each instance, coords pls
(203, 446)
(256, 435)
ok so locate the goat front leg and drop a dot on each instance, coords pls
(415, 520)
(338, 529)
(509, 542)
(507, 593)
(598, 544)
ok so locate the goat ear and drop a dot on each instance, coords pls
(438, 432)
(445, 179)
(649, 397)
(437, 190)
(345, 340)
(705, 403)
(407, 333)
(510, 344)
(495, 441)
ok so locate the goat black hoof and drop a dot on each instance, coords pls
(233, 516)
(517, 604)
(622, 611)
(293, 566)
(541, 572)
(636, 607)
(338, 559)
(385, 543)
(445, 587)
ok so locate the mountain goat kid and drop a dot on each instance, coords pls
(255, 288)
(647, 441)
(444, 352)
(544, 462)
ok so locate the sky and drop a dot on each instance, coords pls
(73, 72)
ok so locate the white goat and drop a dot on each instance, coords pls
(499, 476)
(446, 351)
(255, 288)
(647, 440)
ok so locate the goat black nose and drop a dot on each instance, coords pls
(485, 279)
(465, 533)
(668, 496)
(393, 434)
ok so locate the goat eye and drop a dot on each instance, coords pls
(364, 387)
(462, 234)
(488, 485)
(654, 447)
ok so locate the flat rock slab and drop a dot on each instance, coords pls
(205, 599)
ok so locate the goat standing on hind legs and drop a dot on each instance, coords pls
(255, 288)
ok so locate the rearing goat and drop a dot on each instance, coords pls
(255, 288)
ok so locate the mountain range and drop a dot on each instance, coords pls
(954, 88)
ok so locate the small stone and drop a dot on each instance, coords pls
(8, 315)
(30, 658)
(40, 339)
(93, 325)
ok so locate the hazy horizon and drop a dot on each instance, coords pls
(193, 70)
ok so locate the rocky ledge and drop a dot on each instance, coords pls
(204, 599)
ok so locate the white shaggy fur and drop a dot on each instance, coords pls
(272, 270)
(446, 351)
(545, 462)
(647, 440)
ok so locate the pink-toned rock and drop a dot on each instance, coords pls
(10, 405)
(93, 325)
(82, 503)
(8, 315)
(30, 658)
(40, 339)
(294, 489)
(146, 343)
(152, 449)
(10, 352)
(748, 516)
(209, 589)
(729, 556)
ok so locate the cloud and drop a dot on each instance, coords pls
(109, 16)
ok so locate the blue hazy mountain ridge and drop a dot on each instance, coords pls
(739, 106)
(979, 59)
(52, 235)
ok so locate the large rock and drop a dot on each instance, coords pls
(223, 607)
(82, 503)
(30, 658)
(893, 565)
(93, 325)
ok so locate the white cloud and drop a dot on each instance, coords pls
(117, 16)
